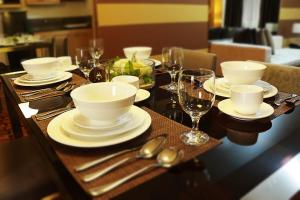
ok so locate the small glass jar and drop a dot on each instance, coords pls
(144, 69)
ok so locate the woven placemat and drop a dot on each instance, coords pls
(278, 110)
(71, 156)
(76, 79)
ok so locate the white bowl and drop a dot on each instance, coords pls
(105, 101)
(132, 80)
(40, 67)
(242, 72)
(141, 53)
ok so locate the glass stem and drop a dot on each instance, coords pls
(195, 124)
(173, 77)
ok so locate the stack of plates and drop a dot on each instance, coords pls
(55, 77)
(222, 87)
(73, 129)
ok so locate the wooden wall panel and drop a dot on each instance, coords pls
(155, 23)
(289, 14)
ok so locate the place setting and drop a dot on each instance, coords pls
(242, 84)
(100, 120)
(240, 72)
(41, 72)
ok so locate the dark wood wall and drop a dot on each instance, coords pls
(289, 14)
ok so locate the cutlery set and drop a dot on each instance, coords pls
(165, 157)
(61, 89)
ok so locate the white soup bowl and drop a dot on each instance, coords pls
(242, 72)
(105, 101)
(141, 53)
(40, 67)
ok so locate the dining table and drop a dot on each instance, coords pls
(239, 157)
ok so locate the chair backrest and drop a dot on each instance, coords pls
(199, 59)
(60, 46)
(284, 77)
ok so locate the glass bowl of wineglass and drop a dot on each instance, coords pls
(84, 62)
(172, 61)
(195, 101)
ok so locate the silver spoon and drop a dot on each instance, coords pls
(167, 158)
(148, 150)
(279, 101)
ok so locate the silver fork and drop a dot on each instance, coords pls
(53, 113)
(279, 101)
(35, 92)
(51, 93)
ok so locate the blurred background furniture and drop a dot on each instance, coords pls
(24, 173)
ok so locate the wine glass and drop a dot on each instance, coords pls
(195, 101)
(84, 62)
(172, 60)
(96, 49)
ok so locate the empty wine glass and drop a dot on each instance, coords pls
(84, 62)
(96, 49)
(195, 101)
(172, 60)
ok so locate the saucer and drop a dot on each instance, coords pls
(226, 107)
(69, 68)
(56, 133)
(83, 122)
(77, 132)
(55, 76)
(222, 92)
(64, 76)
(29, 77)
(141, 95)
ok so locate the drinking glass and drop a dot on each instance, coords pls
(172, 60)
(195, 101)
(96, 49)
(84, 62)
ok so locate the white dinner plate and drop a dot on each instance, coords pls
(141, 95)
(84, 122)
(66, 76)
(55, 76)
(225, 93)
(69, 68)
(222, 84)
(56, 133)
(29, 77)
(156, 62)
(77, 132)
(226, 107)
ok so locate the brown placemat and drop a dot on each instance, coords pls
(76, 79)
(278, 110)
(71, 156)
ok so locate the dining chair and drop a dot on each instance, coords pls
(199, 58)
(24, 172)
(60, 46)
(284, 77)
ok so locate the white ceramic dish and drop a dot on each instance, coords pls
(40, 67)
(69, 68)
(156, 62)
(264, 111)
(141, 95)
(84, 122)
(225, 93)
(105, 101)
(221, 83)
(66, 76)
(140, 52)
(56, 133)
(79, 133)
(242, 72)
(56, 75)
(29, 77)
